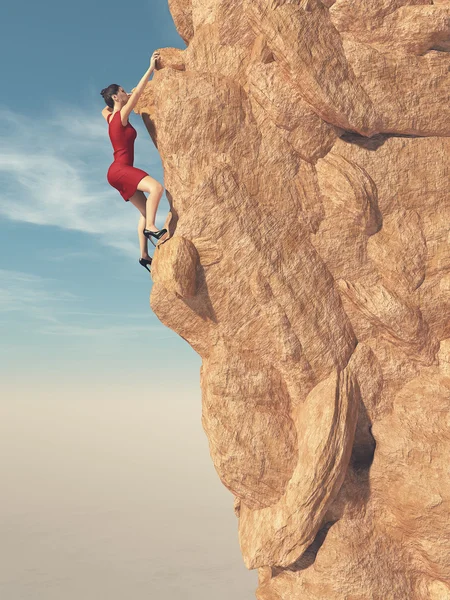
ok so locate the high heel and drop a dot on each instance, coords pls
(144, 262)
(156, 234)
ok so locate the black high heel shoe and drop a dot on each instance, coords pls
(156, 234)
(144, 262)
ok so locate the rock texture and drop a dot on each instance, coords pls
(306, 146)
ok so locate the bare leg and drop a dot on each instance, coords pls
(139, 201)
(155, 191)
(143, 242)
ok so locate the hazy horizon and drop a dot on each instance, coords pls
(114, 497)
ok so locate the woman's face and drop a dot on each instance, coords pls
(121, 97)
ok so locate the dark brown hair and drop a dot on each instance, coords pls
(108, 93)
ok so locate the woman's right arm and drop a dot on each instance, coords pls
(133, 99)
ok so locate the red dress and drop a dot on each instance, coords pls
(121, 174)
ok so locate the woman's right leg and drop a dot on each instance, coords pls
(139, 201)
(155, 191)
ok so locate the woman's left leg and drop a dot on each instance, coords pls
(139, 200)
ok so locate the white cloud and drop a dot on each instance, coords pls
(53, 172)
(31, 294)
(114, 331)
(41, 305)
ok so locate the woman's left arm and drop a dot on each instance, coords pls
(106, 111)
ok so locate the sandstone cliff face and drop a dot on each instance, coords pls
(305, 147)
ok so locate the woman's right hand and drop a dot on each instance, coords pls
(155, 57)
(137, 92)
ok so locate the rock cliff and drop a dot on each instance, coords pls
(305, 146)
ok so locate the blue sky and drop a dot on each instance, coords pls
(73, 297)
(105, 464)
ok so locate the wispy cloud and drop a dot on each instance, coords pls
(32, 295)
(114, 331)
(53, 172)
(42, 307)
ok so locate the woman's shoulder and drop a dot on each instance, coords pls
(106, 114)
(111, 116)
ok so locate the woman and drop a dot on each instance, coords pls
(129, 181)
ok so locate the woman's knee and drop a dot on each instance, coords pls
(159, 189)
(151, 186)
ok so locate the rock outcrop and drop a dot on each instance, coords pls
(305, 146)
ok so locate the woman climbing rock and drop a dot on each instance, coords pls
(122, 175)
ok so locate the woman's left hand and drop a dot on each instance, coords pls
(155, 57)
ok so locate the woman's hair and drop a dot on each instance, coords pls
(108, 93)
